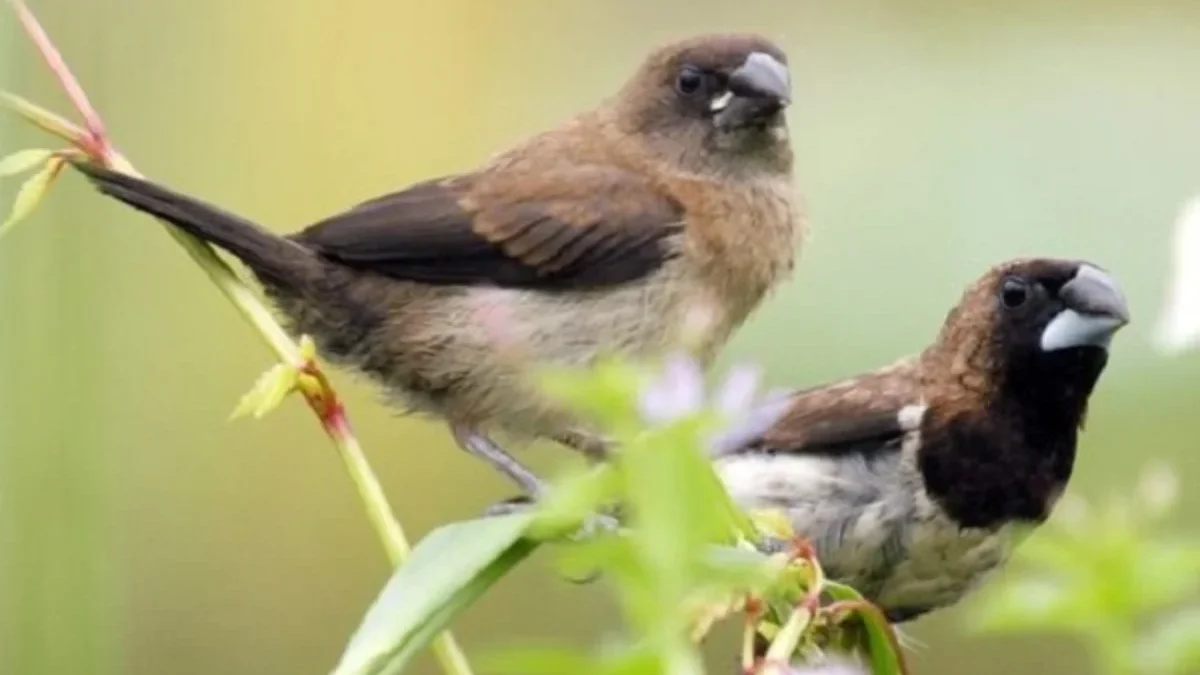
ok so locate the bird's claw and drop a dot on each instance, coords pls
(512, 505)
(592, 526)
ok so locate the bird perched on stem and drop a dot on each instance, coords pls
(673, 198)
(912, 481)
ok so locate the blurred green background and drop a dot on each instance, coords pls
(142, 533)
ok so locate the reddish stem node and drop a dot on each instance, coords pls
(755, 667)
(802, 549)
(811, 601)
(325, 402)
(838, 611)
(753, 607)
(335, 419)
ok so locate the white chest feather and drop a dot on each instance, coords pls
(872, 523)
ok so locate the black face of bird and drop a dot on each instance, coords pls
(1054, 322)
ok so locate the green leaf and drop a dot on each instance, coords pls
(883, 646)
(731, 575)
(44, 119)
(638, 659)
(678, 510)
(605, 393)
(31, 193)
(447, 571)
(742, 567)
(571, 499)
(884, 652)
(22, 161)
(268, 391)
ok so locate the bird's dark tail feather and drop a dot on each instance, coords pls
(273, 259)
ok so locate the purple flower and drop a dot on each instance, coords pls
(675, 393)
(678, 391)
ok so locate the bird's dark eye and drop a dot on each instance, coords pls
(1014, 293)
(689, 81)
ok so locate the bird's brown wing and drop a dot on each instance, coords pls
(574, 228)
(858, 415)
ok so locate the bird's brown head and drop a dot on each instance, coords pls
(1031, 331)
(712, 98)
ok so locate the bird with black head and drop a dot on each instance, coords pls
(913, 482)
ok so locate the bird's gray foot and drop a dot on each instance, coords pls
(520, 504)
(484, 448)
(592, 525)
(533, 487)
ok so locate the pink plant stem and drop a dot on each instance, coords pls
(97, 135)
(322, 399)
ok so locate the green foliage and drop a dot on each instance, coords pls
(683, 558)
(35, 187)
(1114, 577)
(686, 560)
(451, 568)
(23, 160)
(277, 382)
(676, 510)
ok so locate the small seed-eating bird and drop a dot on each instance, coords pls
(672, 199)
(912, 482)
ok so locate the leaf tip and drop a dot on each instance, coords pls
(32, 191)
(267, 393)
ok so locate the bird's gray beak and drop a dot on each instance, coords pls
(762, 76)
(758, 91)
(1095, 310)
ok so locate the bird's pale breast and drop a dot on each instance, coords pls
(872, 524)
(473, 354)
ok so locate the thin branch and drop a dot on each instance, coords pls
(65, 78)
(93, 140)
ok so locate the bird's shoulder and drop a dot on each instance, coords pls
(866, 413)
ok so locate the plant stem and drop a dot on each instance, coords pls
(324, 400)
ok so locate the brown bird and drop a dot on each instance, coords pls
(672, 199)
(912, 481)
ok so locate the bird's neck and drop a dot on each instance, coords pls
(1008, 455)
(986, 472)
(1051, 390)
